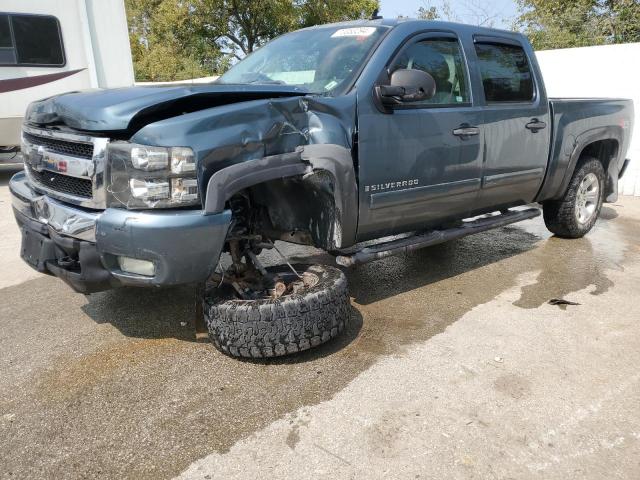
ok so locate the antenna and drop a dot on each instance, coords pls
(375, 16)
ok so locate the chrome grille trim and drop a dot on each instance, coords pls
(64, 184)
(49, 150)
(59, 146)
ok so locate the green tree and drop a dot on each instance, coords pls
(179, 39)
(429, 12)
(165, 44)
(577, 23)
(475, 12)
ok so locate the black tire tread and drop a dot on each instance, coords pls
(276, 327)
(559, 215)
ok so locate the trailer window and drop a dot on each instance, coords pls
(30, 40)
(506, 75)
(7, 53)
(5, 32)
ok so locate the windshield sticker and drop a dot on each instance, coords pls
(330, 85)
(354, 32)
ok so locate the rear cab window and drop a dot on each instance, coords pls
(506, 73)
(30, 40)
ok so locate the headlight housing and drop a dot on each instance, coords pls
(143, 176)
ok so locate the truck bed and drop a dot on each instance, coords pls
(577, 122)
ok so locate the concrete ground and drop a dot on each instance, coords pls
(454, 366)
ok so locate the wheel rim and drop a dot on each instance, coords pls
(587, 198)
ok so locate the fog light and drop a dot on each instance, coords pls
(184, 190)
(149, 190)
(137, 266)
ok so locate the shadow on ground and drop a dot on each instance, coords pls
(116, 387)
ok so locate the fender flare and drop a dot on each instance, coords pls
(582, 142)
(335, 159)
(338, 161)
(228, 181)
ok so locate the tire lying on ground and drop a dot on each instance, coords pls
(573, 215)
(269, 327)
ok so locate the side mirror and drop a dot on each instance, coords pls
(407, 86)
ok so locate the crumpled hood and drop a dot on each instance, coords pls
(128, 109)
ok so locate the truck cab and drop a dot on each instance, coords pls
(482, 141)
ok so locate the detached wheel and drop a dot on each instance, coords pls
(273, 327)
(576, 213)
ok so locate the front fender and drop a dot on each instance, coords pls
(306, 160)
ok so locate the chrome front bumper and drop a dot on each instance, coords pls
(82, 246)
(62, 219)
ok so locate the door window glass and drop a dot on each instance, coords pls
(443, 60)
(505, 71)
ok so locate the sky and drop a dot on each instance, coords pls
(504, 10)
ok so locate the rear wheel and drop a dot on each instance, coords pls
(312, 310)
(576, 213)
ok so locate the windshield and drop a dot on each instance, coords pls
(319, 60)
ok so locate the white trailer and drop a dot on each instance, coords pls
(48, 47)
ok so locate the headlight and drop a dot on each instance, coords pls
(149, 158)
(182, 160)
(184, 189)
(149, 190)
(142, 176)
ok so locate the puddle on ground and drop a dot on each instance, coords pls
(568, 266)
(131, 395)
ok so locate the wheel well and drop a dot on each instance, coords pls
(603, 150)
(295, 209)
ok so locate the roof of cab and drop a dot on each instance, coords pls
(394, 22)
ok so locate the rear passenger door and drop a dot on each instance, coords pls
(516, 122)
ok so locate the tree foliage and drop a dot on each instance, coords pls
(180, 39)
(476, 12)
(577, 23)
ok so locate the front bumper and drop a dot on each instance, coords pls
(81, 246)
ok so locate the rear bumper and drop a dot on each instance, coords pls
(82, 246)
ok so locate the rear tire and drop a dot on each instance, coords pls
(576, 213)
(269, 327)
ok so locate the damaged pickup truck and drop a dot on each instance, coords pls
(401, 134)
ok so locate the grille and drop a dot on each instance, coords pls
(63, 147)
(79, 187)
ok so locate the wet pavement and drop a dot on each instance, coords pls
(114, 384)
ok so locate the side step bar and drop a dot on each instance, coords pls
(426, 239)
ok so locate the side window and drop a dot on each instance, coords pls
(30, 40)
(443, 60)
(7, 52)
(505, 71)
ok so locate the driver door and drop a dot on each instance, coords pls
(415, 167)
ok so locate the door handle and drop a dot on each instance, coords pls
(466, 130)
(535, 125)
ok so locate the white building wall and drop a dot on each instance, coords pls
(603, 71)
